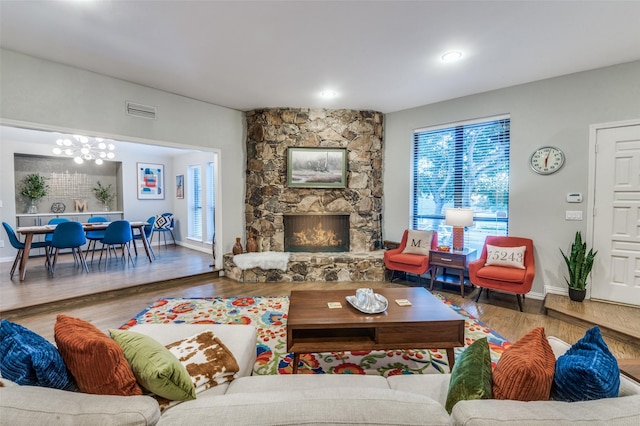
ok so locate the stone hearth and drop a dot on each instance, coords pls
(315, 267)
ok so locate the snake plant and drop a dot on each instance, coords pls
(579, 263)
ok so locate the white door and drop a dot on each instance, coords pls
(616, 220)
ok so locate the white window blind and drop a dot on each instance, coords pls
(195, 203)
(462, 165)
(211, 200)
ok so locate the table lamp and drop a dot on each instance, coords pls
(458, 218)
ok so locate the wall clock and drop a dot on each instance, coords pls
(546, 160)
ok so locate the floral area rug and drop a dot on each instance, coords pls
(269, 316)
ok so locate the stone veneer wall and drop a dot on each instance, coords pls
(271, 131)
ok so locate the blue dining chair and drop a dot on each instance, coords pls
(54, 221)
(94, 236)
(15, 242)
(163, 224)
(69, 235)
(49, 237)
(148, 234)
(117, 233)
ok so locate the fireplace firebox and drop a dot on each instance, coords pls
(316, 232)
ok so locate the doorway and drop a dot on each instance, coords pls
(615, 202)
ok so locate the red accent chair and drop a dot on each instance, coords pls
(397, 261)
(510, 280)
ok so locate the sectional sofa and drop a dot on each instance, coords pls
(305, 399)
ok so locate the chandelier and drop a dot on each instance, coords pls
(82, 148)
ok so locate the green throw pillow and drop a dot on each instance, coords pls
(471, 375)
(155, 368)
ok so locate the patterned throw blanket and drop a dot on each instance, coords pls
(269, 316)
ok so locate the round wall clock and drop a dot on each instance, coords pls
(546, 160)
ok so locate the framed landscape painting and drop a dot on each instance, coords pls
(317, 168)
(150, 179)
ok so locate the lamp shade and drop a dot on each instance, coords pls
(458, 217)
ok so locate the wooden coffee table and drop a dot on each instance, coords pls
(313, 327)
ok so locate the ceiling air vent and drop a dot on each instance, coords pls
(139, 110)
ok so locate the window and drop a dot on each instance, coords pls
(211, 200)
(462, 165)
(195, 203)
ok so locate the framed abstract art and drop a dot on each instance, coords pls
(150, 179)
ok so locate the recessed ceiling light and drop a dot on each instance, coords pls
(328, 94)
(451, 56)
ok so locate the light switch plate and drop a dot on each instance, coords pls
(573, 215)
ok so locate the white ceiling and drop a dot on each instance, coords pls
(380, 55)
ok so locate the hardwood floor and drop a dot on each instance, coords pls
(177, 274)
(172, 262)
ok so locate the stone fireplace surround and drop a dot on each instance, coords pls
(270, 132)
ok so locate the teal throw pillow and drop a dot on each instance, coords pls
(27, 358)
(471, 375)
(154, 366)
(587, 371)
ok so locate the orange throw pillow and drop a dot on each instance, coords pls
(525, 370)
(95, 360)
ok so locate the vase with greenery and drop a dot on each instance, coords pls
(579, 262)
(34, 187)
(103, 193)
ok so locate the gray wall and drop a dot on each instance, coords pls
(47, 95)
(555, 112)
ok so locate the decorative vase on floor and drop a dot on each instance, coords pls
(576, 295)
(252, 244)
(237, 248)
(33, 207)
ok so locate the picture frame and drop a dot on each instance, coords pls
(317, 167)
(180, 186)
(150, 180)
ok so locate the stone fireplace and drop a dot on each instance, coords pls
(316, 232)
(270, 203)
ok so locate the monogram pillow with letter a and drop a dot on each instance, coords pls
(418, 242)
(511, 257)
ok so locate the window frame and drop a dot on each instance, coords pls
(456, 166)
(192, 201)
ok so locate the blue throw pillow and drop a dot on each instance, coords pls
(28, 359)
(587, 371)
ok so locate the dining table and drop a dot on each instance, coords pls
(30, 231)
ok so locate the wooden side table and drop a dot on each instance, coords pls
(457, 260)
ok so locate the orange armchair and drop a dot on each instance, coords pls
(397, 261)
(504, 278)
